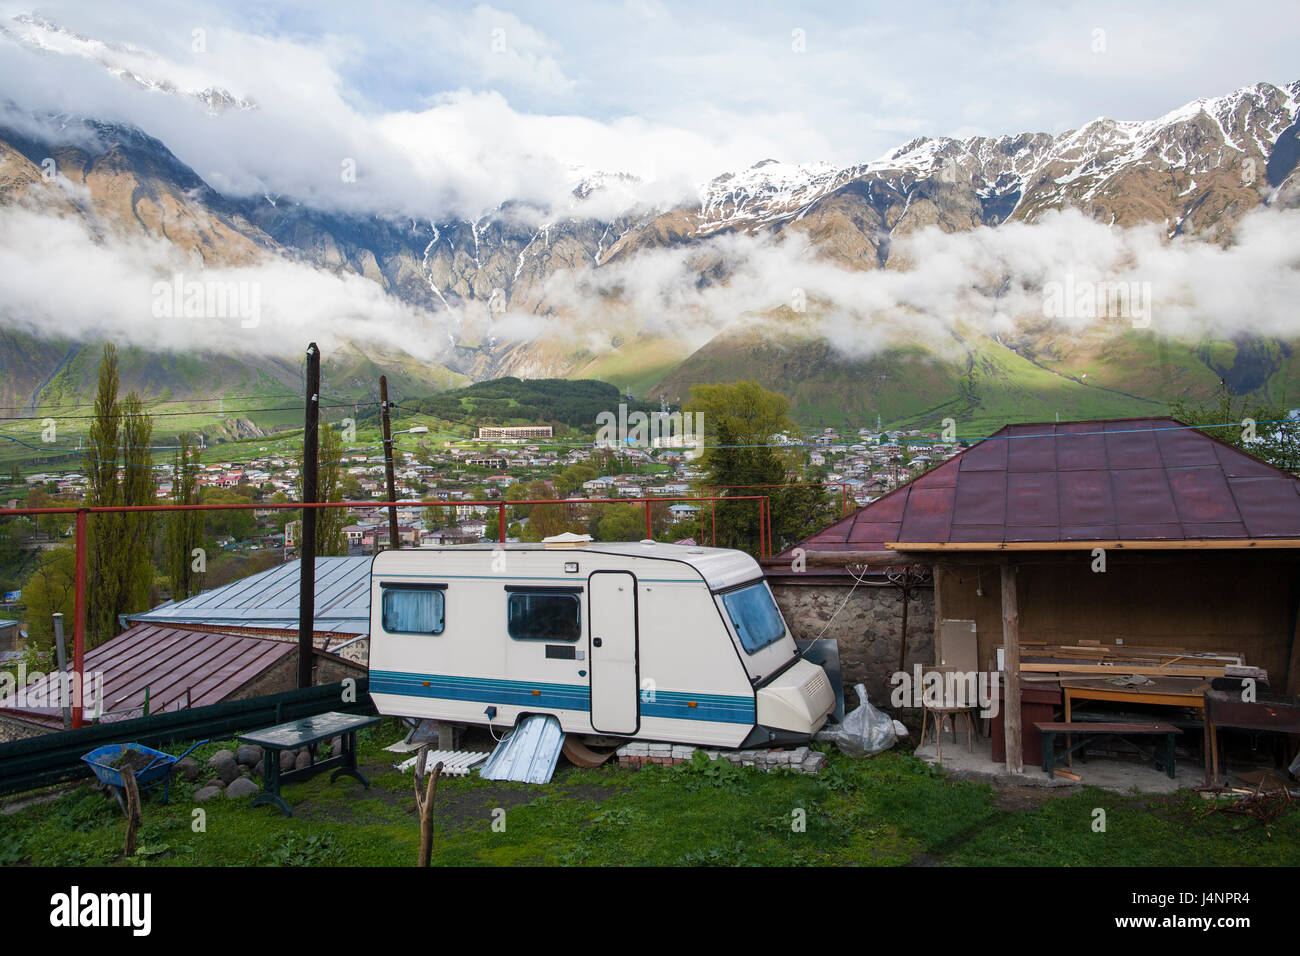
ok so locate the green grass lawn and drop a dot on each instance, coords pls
(890, 810)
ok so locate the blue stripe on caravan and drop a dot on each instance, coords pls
(487, 690)
(677, 705)
(713, 707)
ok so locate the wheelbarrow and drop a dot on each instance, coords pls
(157, 771)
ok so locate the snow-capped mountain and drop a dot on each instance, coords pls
(1224, 142)
(1194, 172)
(128, 63)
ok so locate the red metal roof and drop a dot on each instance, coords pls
(1129, 479)
(168, 661)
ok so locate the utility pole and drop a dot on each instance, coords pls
(393, 540)
(310, 493)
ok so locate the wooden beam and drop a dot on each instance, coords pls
(1011, 682)
(940, 570)
(1120, 669)
(839, 559)
(1199, 544)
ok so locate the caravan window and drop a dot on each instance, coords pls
(753, 612)
(543, 616)
(418, 610)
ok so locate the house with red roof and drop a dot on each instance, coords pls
(1124, 533)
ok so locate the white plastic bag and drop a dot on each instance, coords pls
(866, 730)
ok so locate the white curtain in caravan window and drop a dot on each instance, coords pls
(413, 611)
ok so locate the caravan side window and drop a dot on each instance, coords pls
(418, 609)
(537, 615)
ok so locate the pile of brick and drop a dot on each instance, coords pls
(800, 759)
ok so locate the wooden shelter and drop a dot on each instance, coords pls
(1122, 533)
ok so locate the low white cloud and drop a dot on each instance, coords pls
(64, 278)
(993, 279)
(61, 281)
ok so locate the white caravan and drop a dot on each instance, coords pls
(651, 641)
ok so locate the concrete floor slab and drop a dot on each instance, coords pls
(1120, 775)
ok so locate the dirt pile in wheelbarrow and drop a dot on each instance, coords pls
(133, 759)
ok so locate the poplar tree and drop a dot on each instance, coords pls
(119, 472)
(184, 528)
(330, 539)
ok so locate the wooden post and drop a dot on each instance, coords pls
(393, 541)
(902, 637)
(424, 793)
(79, 622)
(939, 570)
(1011, 682)
(310, 492)
(132, 798)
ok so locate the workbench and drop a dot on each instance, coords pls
(1275, 713)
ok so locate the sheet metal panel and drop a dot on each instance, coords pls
(928, 514)
(1143, 496)
(838, 532)
(1269, 507)
(1237, 465)
(529, 754)
(874, 533)
(1089, 532)
(1128, 446)
(1083, 447)
(988, 455)
(1032, 501)
(1201, 494)
(981, 499)
(1184, 447)
(1031, 448)
(977, 532)
(1085, 498)
(890, 507)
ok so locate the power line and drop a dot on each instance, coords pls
(174, 401)
(190, 414)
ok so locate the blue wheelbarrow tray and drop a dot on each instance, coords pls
(158, 770)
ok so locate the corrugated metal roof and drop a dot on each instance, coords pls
(1130, 479)
(270, 599)
(168, 661)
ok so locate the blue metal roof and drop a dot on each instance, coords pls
(269, 599)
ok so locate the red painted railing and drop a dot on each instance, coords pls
(82, 512)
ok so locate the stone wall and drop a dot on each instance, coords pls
(283, 675)
(867, 628)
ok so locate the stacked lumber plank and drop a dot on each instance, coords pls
(1047, 662)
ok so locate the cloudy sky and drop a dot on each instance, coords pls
(450, 108)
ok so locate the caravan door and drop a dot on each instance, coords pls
(612, 630)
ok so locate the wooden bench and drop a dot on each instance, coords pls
(1089, 732)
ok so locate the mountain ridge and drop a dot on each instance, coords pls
(1195, 172)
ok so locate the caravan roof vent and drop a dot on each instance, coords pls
(566, 540)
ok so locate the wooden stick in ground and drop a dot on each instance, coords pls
(132, 808)
(424, 793)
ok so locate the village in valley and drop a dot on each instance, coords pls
(648, 434)
(495, 466)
